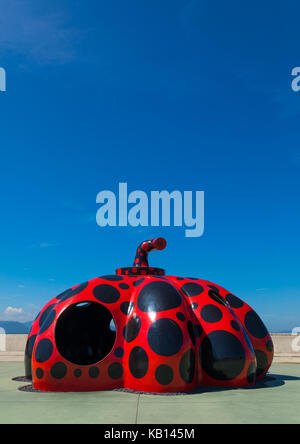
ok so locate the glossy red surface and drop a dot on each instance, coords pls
(173, 334)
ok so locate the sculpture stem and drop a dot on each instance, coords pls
(141, 257)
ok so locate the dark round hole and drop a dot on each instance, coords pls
(83, 333)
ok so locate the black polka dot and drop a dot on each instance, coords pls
(119, 352)
(254, 325)
(138, 362)
(180, 279)
(158, 296)
(45, 314)
(28, 355)
(165, 337)
(30, 346)
(191, 332)
(194, 305)
(132, 329)
(106, 293)
(77, 373)
(234, 301)
(222, 355)
(138, 282)
(198, 330)
(71, 293)
(113, 277)
(61, 295)
(211, 313)
(115, 371)
(94, 372)
(217, 298)
(124, 286)
(164, 374)
(270, 346)
(59, 370)
(39, 373)
(78, 289)
(192, 289)
(187, 366)
(44, 350)
(180, 316)
(48, 322)
(235, 325)
(251, 373)
(212, 287)
(193, 279)
(127, 308)
(262, 362)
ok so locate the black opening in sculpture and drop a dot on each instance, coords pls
(83, 333)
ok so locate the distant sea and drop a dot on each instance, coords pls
(14, 328)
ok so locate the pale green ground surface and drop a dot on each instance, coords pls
(275, 401)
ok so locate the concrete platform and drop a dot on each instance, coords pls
(275, 401)
(11, 356)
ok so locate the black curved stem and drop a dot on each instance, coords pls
(141, 257)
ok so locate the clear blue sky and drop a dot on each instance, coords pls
(181, 94)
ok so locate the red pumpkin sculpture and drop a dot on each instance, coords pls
(171, 334)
